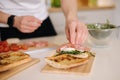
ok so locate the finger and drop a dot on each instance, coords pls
(84, 37)
(78, 35)
(67, 34)
(81, 33)
(25, 28)
(29, 25)
(85, 34)
(26, 31)
(36, 20)
(33, 24)
(72, 32)
(32, 19)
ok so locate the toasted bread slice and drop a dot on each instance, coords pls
(13, 59)
(65, 61)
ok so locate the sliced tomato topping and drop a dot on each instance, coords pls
(1, 48)
(14, 47)
(6, 49)
(24, 47)
(4, 43)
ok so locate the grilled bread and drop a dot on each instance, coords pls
(12, 59)
(69, 59)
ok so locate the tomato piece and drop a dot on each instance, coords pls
(4, 46)
(24, 47)
(4, 43)
(14, 47)
(13, 44)
(0, 42)
(6, 49)
(1, 48)
(20, 46)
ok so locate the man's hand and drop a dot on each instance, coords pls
(27, 24)
(76, 31)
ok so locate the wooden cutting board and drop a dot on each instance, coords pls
(5, 75)
(81, 70)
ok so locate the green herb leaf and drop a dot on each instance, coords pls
(75, 52)
(106, 25)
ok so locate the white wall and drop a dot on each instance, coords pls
(96, 16)
(117, 13)
(58, 21)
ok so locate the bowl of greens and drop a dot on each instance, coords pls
(100, 34)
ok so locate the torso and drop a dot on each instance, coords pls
(36, 8)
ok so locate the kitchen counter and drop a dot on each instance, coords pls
(105, 67)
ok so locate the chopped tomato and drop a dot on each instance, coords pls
(1, 48)
(20, 46)
(14, 47)
(24, 47)
(6, 49)
(4, 43)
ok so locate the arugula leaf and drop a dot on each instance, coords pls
(106, 25)
(91, 54)
(75, 52)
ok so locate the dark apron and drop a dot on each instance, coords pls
(46, 29)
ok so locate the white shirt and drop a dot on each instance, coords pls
(35, 8)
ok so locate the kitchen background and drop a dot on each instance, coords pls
(90, 11)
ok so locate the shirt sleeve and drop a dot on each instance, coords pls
(3, 25)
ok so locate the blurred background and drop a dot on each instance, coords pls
(89, 11)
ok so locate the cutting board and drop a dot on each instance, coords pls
(5, 75)
(81, 70)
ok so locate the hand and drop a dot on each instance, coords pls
(76, 31)
(27, 24)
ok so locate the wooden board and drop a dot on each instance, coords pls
(82, 70)
(6, 74)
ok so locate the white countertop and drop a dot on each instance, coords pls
(106, 65)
